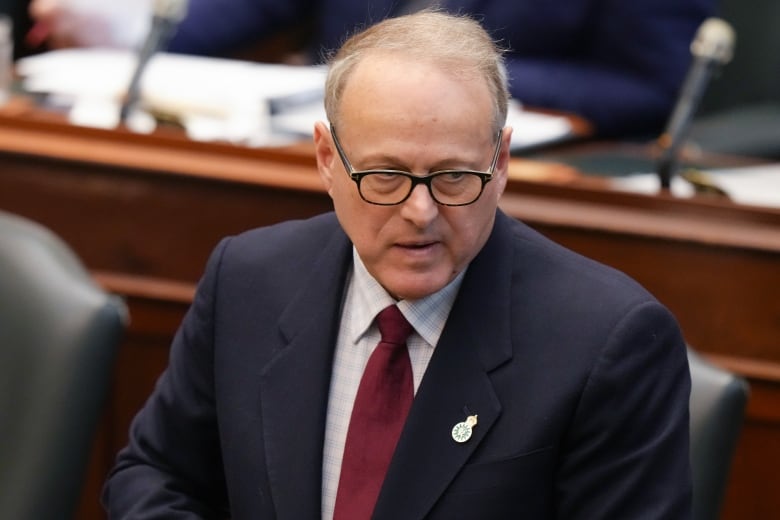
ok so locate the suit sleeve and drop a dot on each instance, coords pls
(219, 27)
(172, 466)
(626, 454)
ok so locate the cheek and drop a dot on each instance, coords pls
(346, 199)
(361, 221)
(492, 192)
(470, 230)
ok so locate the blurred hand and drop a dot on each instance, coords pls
(89, 23)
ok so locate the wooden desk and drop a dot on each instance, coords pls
(144, 212)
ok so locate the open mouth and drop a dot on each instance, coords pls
(418, 245)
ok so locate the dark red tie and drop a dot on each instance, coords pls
(382, 403)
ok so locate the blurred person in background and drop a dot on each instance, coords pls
(88, 23)
(17, 12)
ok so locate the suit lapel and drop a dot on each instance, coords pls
(457, 383)
(294, 386)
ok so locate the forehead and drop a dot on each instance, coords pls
(411, 92)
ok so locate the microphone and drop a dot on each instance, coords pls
(166, 15)
(712, 47)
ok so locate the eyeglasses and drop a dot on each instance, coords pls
(391, 187)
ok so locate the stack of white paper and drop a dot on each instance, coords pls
(215, 99)
(753, 185)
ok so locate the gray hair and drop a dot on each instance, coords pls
(456, 43)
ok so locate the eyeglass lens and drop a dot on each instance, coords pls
(451, 187)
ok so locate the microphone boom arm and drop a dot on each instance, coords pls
(167, 15)
(712, 47)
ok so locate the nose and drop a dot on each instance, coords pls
(420, 208)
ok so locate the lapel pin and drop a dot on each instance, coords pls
(462, 431)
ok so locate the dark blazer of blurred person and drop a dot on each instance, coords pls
(20, 19)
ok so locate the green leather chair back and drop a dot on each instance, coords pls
(753, 75)
(717, 408)
(59, 334)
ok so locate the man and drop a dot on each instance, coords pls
(617, 63)
(545, 385)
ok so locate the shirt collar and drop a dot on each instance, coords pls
(427, 315)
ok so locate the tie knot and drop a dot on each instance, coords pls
(393, 326)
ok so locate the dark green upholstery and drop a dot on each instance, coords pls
(739, 111)
(753, 75)
(59, 334)
(717, 408)
(751, 130)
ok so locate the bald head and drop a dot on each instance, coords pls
(454, 43)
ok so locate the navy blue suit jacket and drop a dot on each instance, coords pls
(619, 63)
(578, 376)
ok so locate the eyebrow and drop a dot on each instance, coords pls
(397, 164)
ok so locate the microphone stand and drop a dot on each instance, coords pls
(712, 47)
(672, 140)
(167, 15)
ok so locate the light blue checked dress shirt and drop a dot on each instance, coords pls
(358, 336)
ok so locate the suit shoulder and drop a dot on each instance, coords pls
(286, 240)
(570, 272)
(285, 250)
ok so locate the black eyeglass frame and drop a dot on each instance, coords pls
(358, 176)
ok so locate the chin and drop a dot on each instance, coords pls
(416, 287)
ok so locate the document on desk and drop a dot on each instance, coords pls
(757, 185)
(215, 99)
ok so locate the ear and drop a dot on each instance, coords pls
(502, 165)
(325, 152)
